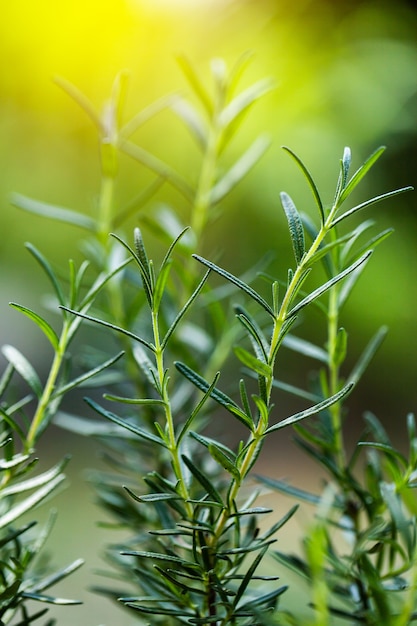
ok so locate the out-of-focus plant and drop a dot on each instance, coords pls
(185, 495)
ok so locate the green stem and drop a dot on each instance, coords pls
(172, 441)
(45, 399)
(105, 207)
(334, 379)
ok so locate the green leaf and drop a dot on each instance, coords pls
(30, 502)
(243, 101)
(84, 377)
(367, 355)
(159, 167)
(187, 425)
(239, 170)
(51, 211)
(140, 432)
(367, 203)
(224, 460)
(248, 577)
(312, 410)
(192, 120)
(340, 347)
(359, 174)
(289, 490)
(216, 394)
(48, 271)
(236, 281)
(118, 329)
(310, 181)
(328, 285)
(203, 479)
(80, 99)
(45, 327)
(184, 309)
(306, 348)
(37, 481)
(194, 81)
(295, 226)
(24, 368)
(258, 366)
(139, 119)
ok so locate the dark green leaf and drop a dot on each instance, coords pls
(312, 410)
(216, 394)
(112, 327)
(140, 432)
(310, 181)
(367, 203)
(185, 308)
(224, 460)
(45, 327)
(236, 281)
(328, 285)
(203, 479)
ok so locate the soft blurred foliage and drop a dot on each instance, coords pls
(345, 74)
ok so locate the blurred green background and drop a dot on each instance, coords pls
(346, 74)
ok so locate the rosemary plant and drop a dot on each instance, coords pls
(197, 539)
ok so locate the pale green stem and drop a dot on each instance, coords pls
(334, 380)
(172, 442)
(45, 399)
(105, 207)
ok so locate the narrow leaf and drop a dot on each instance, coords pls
(24, 368)
(187, 425)
(360, 173)
(48, 271)
(223, 460)
(312, 410)
(236, 281)
(239, 170)
(53, 212)
(310, 181)
(203, 479)
(45, 327)
(112, 327)
(140, 432)
(328, 285)
(30, 502)
(159, 167)
(305, 348)
(295, 226)
(216, 394)
(367, 355)
(80, 99)
(250, 361)
(195, 83)
(192, 120)
(367, 203)
(244, 100)
(184, 309)
(84, 377)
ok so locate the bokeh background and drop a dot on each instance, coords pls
(345, 74)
